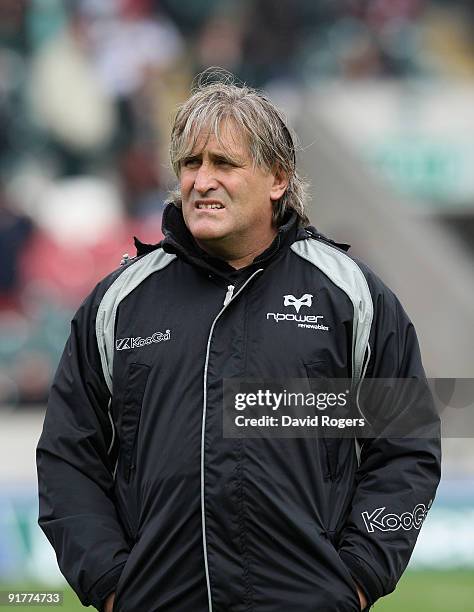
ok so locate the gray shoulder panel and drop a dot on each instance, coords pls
(346, 274)
(129, 280)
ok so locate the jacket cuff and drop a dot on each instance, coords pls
(104, 587)
(364, 576)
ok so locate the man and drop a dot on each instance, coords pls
(148, 506)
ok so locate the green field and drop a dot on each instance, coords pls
(434, 591)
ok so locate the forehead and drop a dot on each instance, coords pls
(225, 137)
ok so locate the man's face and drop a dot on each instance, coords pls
(226, 201)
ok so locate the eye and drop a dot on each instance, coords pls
(191, 162)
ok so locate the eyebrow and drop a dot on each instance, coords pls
(214, 157)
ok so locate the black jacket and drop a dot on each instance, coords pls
(141, 493)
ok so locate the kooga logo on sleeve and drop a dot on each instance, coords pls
(121, 344)
(392, 522)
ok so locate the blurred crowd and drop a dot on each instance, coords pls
(87, 92)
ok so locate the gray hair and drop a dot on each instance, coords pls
(271, 143)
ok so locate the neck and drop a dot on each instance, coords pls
(238, 258)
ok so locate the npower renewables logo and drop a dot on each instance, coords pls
(308, 321)
(389, 521)
(122, 344)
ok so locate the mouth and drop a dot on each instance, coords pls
(208, 205)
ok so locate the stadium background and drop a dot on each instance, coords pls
(381, 93)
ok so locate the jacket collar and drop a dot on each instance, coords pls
(178, 240)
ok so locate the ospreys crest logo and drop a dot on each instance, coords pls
(304, 300)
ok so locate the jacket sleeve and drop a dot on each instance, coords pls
(75, 479)
(397, 476)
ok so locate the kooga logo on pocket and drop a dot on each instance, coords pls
(121, 344)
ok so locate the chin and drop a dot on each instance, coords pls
(208, 237)
(203, 231)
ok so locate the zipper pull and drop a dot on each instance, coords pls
(228, 295)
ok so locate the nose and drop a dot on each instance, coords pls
(204, 180)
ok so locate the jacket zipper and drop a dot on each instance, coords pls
(229, 297)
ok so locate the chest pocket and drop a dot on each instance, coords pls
(131, 412)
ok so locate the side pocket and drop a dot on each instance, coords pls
(132, 406)
(343, 571)
(329, 447)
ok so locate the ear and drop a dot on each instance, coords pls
(280, 183)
